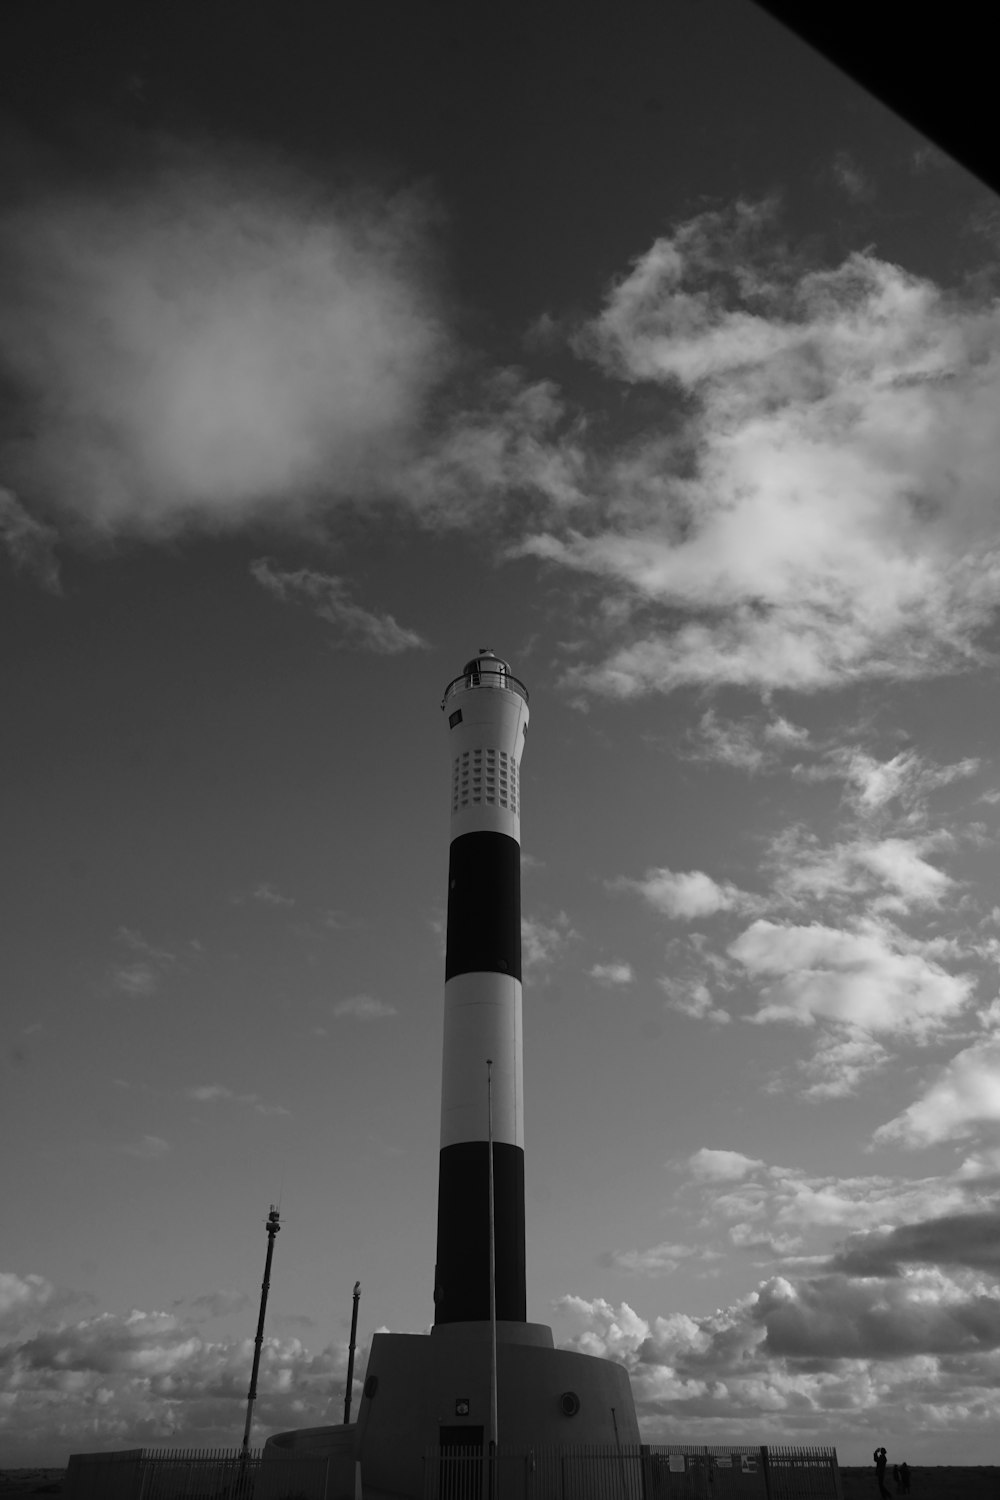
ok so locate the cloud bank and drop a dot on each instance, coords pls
(963, 1099)
(821, 507)
(147, 1378)
(865, 941)
(206, 337)
(801, 1361)
(896, 1332)
(214, 340)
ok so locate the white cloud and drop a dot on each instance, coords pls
(925, 156)
(759, 1237)
(783, 732)
(827, 514)
(608, 1332)
(658, 1260)
(216, 1093)
(266, 893)
(690, 996)
(217, 340)
(982, 1164)
(363, 1008)
(873, 782)
(728, 742)
(709, 1165)
(28, 542)
(907, 776)
(898, 863)
(912, 1286)
(211, 336)
(147, 1148)
(796, 1202)
(685, 895)
(963, 1098)
(21, 1297)
(864, 979)
(269, 895)
(543, 942)
(220, 1304)
(888, 874)
(805, 1356)
(509, 438)
(136, 980)
(141, 976)
(211, 1093)
(130, 938)
(614, 973)
(341, 921)
(329, 597)
(839, 956)
(840, 1063)
(849, 176)
(876, 790)
(805, 872)
(122, 1380)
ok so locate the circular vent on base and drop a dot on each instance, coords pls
(371, 1386)
(569, 1403)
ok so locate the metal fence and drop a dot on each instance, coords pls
(194, 1474)
(669, 1471)
(812, 1473)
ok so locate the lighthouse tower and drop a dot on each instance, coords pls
(476, 1372)
(487, 710)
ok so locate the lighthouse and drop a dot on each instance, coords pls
(487, 709)
(483, 1369)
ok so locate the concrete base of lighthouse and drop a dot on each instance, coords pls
(426, 1391)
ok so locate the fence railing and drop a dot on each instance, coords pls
(667, 1471)
(195, 1474)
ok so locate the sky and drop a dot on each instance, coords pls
(640, 345)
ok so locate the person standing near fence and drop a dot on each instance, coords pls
(880, 1462)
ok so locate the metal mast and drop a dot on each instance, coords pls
(273, 1228)
(494, 1424)
(350, 1356)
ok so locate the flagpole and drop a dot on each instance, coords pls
(493, 1286)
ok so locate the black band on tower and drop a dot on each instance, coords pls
(462, 1273)
(484, 905)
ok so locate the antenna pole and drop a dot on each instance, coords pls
(273, 1228)
(350, 1355)
(493, 1287)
